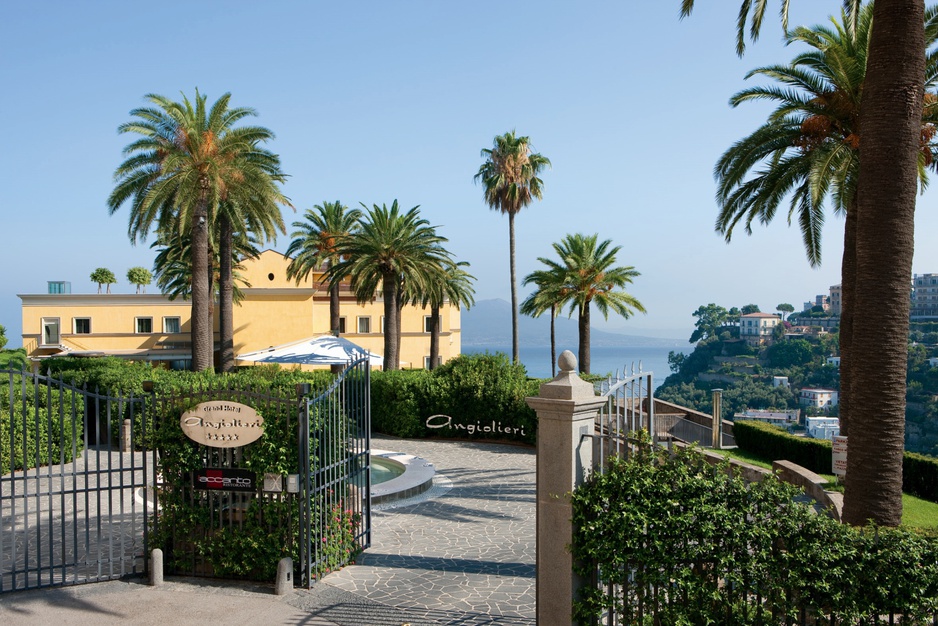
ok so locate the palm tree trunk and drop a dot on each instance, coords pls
(553, 341)
(584, 348)
(391, 323)
(202, 344)
(334, 315)
(334, 312)
(515, 352)
(434, 336)
(890, 116)
(848, 281)
(225, 296)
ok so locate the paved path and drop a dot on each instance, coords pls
(461, 554)
(463, 557)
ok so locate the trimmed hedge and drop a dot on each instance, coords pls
(474, 396)
(728, 552)
(919, 472)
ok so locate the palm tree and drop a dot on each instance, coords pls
(314, 247)
(887, 182)
(453, 284)
(188, 161)
(550, 294)
(394, 251)
(259, 217)
(173, 272)
(509, 176)
(590, 277)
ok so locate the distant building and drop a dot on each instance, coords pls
(776, 418)
(822, 427)
(924, 303)
(756, 328)
(819, 300)
(818, 398)
(780, 381)
(835, 299)
(833, 360)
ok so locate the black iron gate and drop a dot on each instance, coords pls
(89, 483)
(335, 474)
(73, 507)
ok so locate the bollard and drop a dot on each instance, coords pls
(125, 436)
(284, 583)
(156, 567)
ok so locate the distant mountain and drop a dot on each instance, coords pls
(488, 324)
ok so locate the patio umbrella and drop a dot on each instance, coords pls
(322, 350)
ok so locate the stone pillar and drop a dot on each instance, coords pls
(566, 410)
(717, 419)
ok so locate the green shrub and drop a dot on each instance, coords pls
(919, 472)
(46, 422)
(728, 552)
(772, 442)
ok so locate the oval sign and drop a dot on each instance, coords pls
(222, 424)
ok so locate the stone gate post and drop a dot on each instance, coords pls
(566, 409)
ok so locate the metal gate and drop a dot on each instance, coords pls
(630, 407)
(72, 503)
(335, 476)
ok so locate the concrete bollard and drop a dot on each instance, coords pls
(284, 583)
(125, 436)
(156, 567)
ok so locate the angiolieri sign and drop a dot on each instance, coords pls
(222, 424)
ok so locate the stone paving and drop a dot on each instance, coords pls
(461, 554)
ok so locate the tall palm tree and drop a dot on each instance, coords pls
(887, 182)
(260, 217)
(190, 158)
(389, 250)
(314, 247)
(453, 284)
(173, 272)
(590, 276)
(550, 294)
(509, 176)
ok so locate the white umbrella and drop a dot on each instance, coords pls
(323, 350)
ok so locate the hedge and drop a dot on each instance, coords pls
(919, 472)
(728, 552)
(474, 396)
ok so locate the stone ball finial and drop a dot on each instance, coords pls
(566, 361)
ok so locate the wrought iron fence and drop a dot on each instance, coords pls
(71, 505)
(629, 407)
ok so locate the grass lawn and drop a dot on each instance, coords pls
(916, 513)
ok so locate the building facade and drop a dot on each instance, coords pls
(757, 328)
(924, 297)
(274, 311)
(818, 398)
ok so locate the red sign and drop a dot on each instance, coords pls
(224, 479)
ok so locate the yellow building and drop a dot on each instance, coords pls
(275, 311)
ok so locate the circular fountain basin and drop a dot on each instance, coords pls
(415, 476)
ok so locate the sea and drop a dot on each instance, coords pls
(536, 360)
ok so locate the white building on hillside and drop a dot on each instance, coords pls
(756, 328)
(818, 398)
(822, 427)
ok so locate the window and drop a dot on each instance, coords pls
(364, 325)
(170, 325)
(144, 325)
(382, 324)
(426, 323)
(50, 331)
(341, 325)
(426, 362)
(81, 325)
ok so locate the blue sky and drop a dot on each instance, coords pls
(373, 101)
